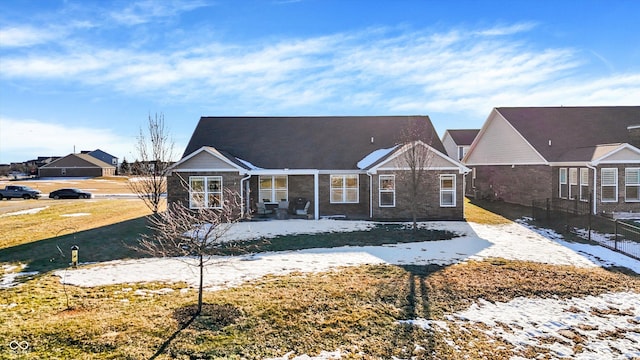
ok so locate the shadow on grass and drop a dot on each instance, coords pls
(106, 243)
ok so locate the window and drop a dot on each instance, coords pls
(584, 184)
(609, 185)
(447, 190)
(274, 188)
(205, 192)
(344, 189)
(573, 183)
(460, 152)
(387, 191)
(632, 184)
(564, 189)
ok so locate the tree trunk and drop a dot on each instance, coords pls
(200, 288)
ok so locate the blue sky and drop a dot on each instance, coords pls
(85, 75)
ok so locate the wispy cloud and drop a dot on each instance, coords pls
(143, 11)
(24, 36)
(380, 69)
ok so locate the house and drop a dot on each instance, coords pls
(103, 156)
(457, 142)
(587, 154)
(77, 165)
(341, 166)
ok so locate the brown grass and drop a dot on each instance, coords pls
(52, 222)
(353, 309)
(476, 214)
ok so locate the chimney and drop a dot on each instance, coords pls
(634, 135)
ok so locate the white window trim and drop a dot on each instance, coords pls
(344, 188)
(274, 198)
(566, 181)
(626, 185)
(453, 191)
(381, 190)
(602, 185)
(206, 180)
(583, 171)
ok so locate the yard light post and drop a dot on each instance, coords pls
(74, 256)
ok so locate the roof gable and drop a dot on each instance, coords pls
(498, 143)
(335, 142)
(555, 131)
(78, 160)
(207, 158)
(462, 136)
(437, 161)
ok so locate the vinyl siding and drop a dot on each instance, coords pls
(501, 144)
(625, 155)
(205, 160)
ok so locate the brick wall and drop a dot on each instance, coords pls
(428, 202)
(519, 184)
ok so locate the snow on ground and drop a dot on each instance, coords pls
(475, 242)
(524, 321)
(605, 326)
(25, 212)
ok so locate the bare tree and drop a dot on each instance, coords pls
(154, 155)
(195, 233)
(416, 159)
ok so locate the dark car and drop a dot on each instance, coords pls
(69, 194)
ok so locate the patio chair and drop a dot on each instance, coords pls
(305, 210)
(261, 209)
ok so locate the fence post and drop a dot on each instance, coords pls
(548, 210)
(615, 231)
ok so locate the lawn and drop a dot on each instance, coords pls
(355, 310)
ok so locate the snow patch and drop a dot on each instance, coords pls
(25, 212)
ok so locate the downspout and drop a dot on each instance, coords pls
(370, 195)
(595, 192)
(242, 205)
(316, 196)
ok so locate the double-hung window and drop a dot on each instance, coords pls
(387, 191)
(563, 189)
(447, 190)
(609, 184)
(344, 189)
(274, 188)
(573, 183)
(205, 192)
(584, 184)
(632, 184)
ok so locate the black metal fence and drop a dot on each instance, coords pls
(576, 217)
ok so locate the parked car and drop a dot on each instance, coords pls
(19, 191)
(70, 194)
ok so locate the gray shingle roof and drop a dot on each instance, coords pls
(573, 131)
(307, 142)
(463, 136)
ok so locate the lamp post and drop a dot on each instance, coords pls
(74, 256)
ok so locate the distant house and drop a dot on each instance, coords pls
(103, 156)
(77, 165)
(583, 153)
(339, 166)
(457, 142)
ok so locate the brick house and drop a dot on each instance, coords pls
(342, 166)
(577, 153)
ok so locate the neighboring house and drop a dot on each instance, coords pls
(585, 153)
(103, 156)
(77, 165)
(457, 142)
(343, 166)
